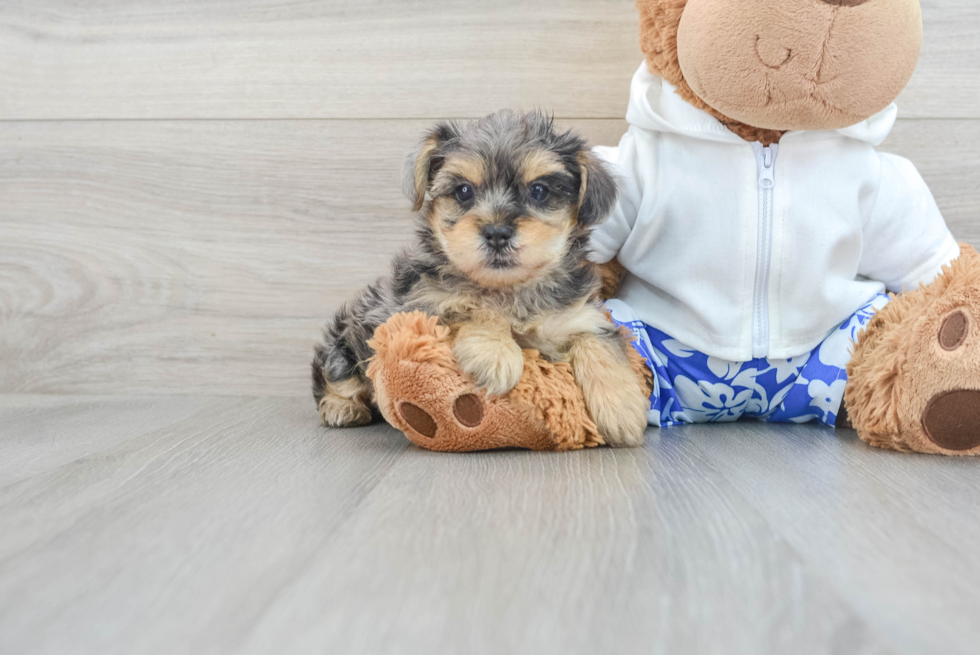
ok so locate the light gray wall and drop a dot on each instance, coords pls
(187, 189)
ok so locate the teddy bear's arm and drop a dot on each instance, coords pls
(906, 242)
(609, 236)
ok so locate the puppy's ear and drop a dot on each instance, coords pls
(597, 193)
(423, 163)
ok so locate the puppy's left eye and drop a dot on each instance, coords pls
(464, 193)
(539, 192)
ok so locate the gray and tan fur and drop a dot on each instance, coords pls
(506, 204)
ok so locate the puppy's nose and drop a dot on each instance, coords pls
(845, 3)
(497, 236)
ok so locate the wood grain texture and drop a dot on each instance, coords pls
(212, 515)
(947, 153)
(203, 256)
(319, 59)
(878, 524)
(372, 59)
(247, 528)
(43, 432)
(598, 552)
(946, 83)
(191, 256)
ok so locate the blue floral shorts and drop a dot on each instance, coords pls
(691, 387)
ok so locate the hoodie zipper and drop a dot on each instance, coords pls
(766, 165)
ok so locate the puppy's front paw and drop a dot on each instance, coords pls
(493, 363)
(620, 412)
(345, 404)
(338, 412)
(615, 398)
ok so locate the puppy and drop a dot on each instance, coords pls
(500, 256)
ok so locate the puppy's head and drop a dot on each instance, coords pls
(507, 196)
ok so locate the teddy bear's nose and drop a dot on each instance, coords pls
(845, 3)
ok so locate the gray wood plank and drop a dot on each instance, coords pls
(603, 551)
(250, 529)
(202, 257)
(39, 433)
(382, 59)
(894, 533)
(319, 59)
(178, 539)
(947, 154)
(946, 83)
(191, 256)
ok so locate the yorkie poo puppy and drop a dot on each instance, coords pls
(507, 203)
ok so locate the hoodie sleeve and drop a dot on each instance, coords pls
(610, 235)
(906, 241)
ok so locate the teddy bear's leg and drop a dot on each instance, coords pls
(914, 379)
(420, 389)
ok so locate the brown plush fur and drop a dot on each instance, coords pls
(900, 363)
(659, 22)
(914, 381)
(612, 276)
(416, 376)
(787, 65)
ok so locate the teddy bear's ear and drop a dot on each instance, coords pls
(423, 163)
(597, 190)
(659, 22)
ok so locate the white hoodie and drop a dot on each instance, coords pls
(742, 251)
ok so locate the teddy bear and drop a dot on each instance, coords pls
(768, 262)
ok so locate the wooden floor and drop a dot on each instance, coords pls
(235, 525)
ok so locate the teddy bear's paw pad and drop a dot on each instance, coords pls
(468, 410)
(420, 420)
(954, 330)
(952, 419)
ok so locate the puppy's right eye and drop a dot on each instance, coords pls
(464, 193)
(539, 192)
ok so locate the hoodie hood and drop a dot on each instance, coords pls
(654, 105)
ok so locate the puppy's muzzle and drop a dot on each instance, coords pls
(497, 237)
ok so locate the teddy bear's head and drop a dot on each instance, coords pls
(763, 67)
